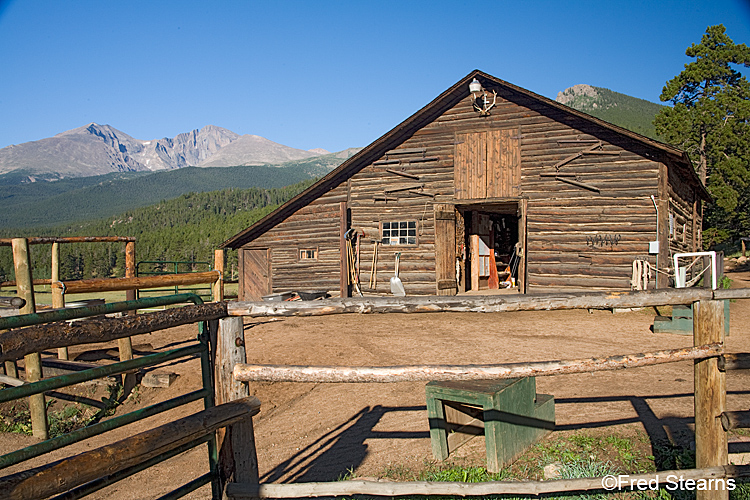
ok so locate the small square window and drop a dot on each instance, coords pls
(308, 254)
(399, 233)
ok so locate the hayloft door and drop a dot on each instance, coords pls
(445, 250)
(255, 280)
(488, 165)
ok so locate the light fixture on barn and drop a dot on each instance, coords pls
(481, 97)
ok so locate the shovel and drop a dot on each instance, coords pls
(397, 288)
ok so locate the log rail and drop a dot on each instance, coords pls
(482, 304)
(461, 489)
(388, 374)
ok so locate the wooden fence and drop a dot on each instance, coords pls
(711, 418)
(237, 458)
(84, 473)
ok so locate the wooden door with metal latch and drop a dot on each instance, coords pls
(255, 278)
(445, 249)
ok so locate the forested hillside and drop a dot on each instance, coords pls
(621, 109)
(71, 200)
(189, 227)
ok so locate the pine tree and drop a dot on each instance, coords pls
(710, 119)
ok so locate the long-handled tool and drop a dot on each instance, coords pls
(374, 268)
(397, 288)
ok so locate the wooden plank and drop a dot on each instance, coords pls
(445, 249)
(461, 166)
(710, 394)
(523, 209)
(735, 420)
(402, 174)
(406, 151)
(478, 162)
(474, 256)
(125, 345)
(70, 239)
(496, 175)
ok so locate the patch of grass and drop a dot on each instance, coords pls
(741, 492)
(671, 456)
(16, 418)
(459, 474)
(725, 282)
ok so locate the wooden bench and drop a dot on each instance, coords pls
(509, 411)
(681, 321)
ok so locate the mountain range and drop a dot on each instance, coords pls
(101, 149)
(101, 172)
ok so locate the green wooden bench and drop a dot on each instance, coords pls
(681, 321)
(509, 411)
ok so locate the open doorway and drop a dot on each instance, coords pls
(492, 247)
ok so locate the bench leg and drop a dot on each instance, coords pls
(493, 435)
(438, 431)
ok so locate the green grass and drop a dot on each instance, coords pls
(576, 455)
(15, 418)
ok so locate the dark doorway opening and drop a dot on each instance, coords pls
(491, 248)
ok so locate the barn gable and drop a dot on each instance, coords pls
(565, 196)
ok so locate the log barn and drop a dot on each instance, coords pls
(487, 186)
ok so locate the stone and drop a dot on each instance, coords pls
(158, 379)
(552, 471)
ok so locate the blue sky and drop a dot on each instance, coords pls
(330, 74)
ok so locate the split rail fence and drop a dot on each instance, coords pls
(234, 469)
(712, 420)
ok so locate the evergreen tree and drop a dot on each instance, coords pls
(710, 120)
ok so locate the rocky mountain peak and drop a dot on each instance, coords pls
(570, 94)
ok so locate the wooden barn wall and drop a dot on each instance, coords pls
(685, 210)
(314, 226)
(576, 238)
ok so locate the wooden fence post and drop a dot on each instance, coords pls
(238, 460)
(218, 288)
(58, 299)
(125, 345)
(32, 362)
(710, 394)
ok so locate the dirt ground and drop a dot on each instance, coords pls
(314, 432)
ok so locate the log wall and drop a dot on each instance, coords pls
(578, 236)
(316, 227)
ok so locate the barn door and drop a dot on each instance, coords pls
(488, 164)
(255, 279)
(445, 250)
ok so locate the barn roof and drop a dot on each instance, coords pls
(431, 111)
